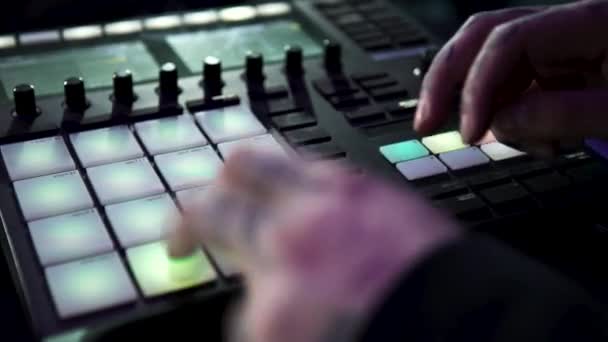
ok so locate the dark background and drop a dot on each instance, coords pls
(442, 17)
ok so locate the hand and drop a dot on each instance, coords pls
(319, 245)
(527, 74)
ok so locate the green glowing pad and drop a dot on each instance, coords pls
(52, 195)
(47, 71)
(403, 151)
(125, 181)
(188, 169)
(35, 158)
(444, 142)
(69, 237)
(231, 44)
(158, 274)
(229, 124)
(89, 285)
(170, 134)
(143, 220)
(106, 145)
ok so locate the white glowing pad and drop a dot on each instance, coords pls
(170, 134)
(157, 273)
(123, 27)
(143, 220)
(163, 22)
(106, 145)
(35, 158)
(200, 18)
(82, 32)
(69, 237)
(238, 13)
(498, 152)
(188, 169)
(89, 285)
(265, 143)
(274, 9)
(124, 181)
(232, 123)
(185, 197)
(52, 195)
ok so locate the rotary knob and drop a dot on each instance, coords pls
(75, 94)
(293, 60)
(123, 87)
(254, 66)
(168, 86)
(25, 101)
(333, 57)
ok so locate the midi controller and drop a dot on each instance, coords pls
(107, 129)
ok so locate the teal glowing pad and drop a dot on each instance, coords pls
(188, 169)
(52, 195)
(124, 181)
(158, 274)
(170, 134)
(141, 221)
(264, 142)
(106, 145)
(89, 285)
(36, 158)
(444, 142)
(231, 123)
(403, 151)
(68, 237)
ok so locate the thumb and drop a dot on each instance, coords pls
(554, 116)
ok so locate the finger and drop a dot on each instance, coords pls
(530, 39)
(221, 217)
(262, 174)
(549, 116)
(451, 65)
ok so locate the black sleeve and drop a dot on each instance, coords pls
(480, 290)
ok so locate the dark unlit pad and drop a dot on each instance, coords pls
(141, 221)
(35, 158)
(52, 195)
(170, 134)
(187, 169)
(422, 168)
(157, 274)
(124, 181)
(68, 237)
(106, 145)
(89, 285)
(48, 70)
(229, 124)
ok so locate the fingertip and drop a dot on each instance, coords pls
(180, 240)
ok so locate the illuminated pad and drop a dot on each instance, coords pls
(143, 220)
(106, 145)
(422, 168)
(89, 285)
(187, 196)
(68, 237)
(158, 274)
(403, 151)
(170, 134)
(187, 169)
(263, 143)
(464, 159)
(498, 152)
(37, 158)
(124, 181)
(232, 123)
(444, 142)
(52, 195)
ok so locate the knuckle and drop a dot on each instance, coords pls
(480, 18)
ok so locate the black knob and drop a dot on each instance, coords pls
(212, 71)
(75, 95)
(333, 56)
(168, 81)
(123, 87)
(293, 60)
(254, 66)
(25, 101)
